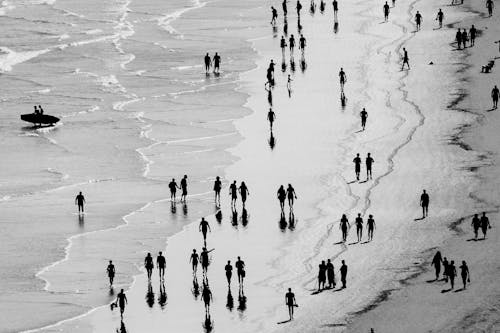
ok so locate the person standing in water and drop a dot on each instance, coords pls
(208, 63)
(418, 20)
(330, 273)
(458, 38)
(111, 272)
(204, 227)
(494, 96)
(424, 202)
(233, 192)
(290, 302)
(149, 265)
(364, 115)
(216, 63)
(217, 188)
(357, 166)
(173, 189)
(121, 300)
(436, 262)
(452, 272)
(193, 259)
(343, 78)
(343, 274)
(161, 263)
(344, 226)
(290, 192)
(406, 60)
(281, 197)
(386, 12)
(229, 272)
(464, 272)
(240, 269)
(485, 224)
(369, 163)
(184, 188)
(359, 227)
(439, 18)
(271, 116)
(370, 223)
(80, 201)
(243, 192)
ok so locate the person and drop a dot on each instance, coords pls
(290, 191)
(229, 272)
(281, 197)
(472, 35)
(193, 259)
(233, 192)
(298, 7)
(335, 7)
(240, 269)
(445, 269)
(439, 17)
(205, 261)
(312, 7)
(208, 63)
(343, 78)
(283, 46)
(458, 38)
(494, 96)
(369, 163)
(173, 189)
(405, 59)
(364, 115)
(204, 227)
(386, 11)
(271, 116)
(80, 201)
(464, 38)
(302, 44)
(217, 188)
(243, 192)
(274, 15)
(148, 264)
(291, 44)
(464, 272)
(418, 20)
(40, 109)
(216, 63)
(289, 85)
(321, 275)
(330, 273)
(290, 302)
(357, 166)
(370, 223)
(111, 272)
(359, 226)
(344, 226)
(343, 274)
(485, 224)
(489, 5)
(452, 272)
(424, 202)
(161, 263)
(206, 296)
(283, 5)
(476, 224)
(121, 300)
(436, 262)
(184, 188)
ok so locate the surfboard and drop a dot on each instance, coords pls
(37, 118)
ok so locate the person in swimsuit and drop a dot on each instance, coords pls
(193, 259)
(485, 224)
(271, 116)
(494, 96)
(359, 227)
(370, 223)
(290, 302)
(161, 263)
(208, 63)
(243, 192)
(369, 163)
(274, 16)
(290, 191)
(344, 226)
(405, 59)
(364, 115)
(302, 44)
(149, 265)
(240, 269)
(111, 272)
(216, 63)
(229, 272)
(386, 12)
(440, 17)
(217, 188)
(343, 274)
(283, 46)
(233, 192)
(184, 188)
(357, 166)
(281, 197)
(436, 262)
(204, 227)
(330, 273)
(343, 78)
(424, 202)
(464, 272)
(121, 300)
(173, 189)
(321, 276)
(418, 20)
(476, 224)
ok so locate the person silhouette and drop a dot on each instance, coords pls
(476, 224)
(184, 188)
(386, 12)
(283, 5)
(321, 276)
(452, 272)
(494, 96)
(472, 35)
(464, 272)
(298, 7)
(335, 5)
(290, 302)
(440, 17)
(173, 189)
(229, 272)
(121, 300)
(240, 269)
(489, 6)
(204, 227)
(216, 63)
(161, 263)
(370, 223)
(445, 269)
(290, 191)
(233, 192)
(357, 166)
(283, 46)
(80, 201)
(343, 78)
(424, 202)
(406, 60)
(344, 226)
(206, 296)
(208, 63)
(359, 227)
(274, 13)
(149, 265)
(111, 272)
(243, 189)
(485, 224)
(193, 259)
(369, 163)
(343, 274)
(271, 116)
(217, 188)
(364, 115)
(291, 43)
(436, 262)
(418, 20)
(281, 197)
(330, 273)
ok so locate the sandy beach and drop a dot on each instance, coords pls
(430, 127)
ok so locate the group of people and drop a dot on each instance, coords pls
(284, 194)
(450, 271)
(38, 110)
(482, 223)
(344, 226)
(327, 271)
(215, 62)
(461, 37)
(368, 161)
(173, 189)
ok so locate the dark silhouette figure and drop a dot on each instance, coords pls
(440, 17)
(243, 192)
(271, 116)
(217, 188)
(369, 163)
(464, 38)
(312, 7)
(111, 272)
(418, 20)
(121, 301)
(291, 44)
(494, 96)
(193, 259)
(489, 6)
(274, 16)
(386, 12)
(464, 272)
(476, 224)
(149, 265)
(330, 273)
(458, 37)
(364, 115)
(206, 296)
(370, 223)
(343, 78)
(290, 193)
(406, 60)
(150, 295)
(161, 263)
(452, 272)
(283, 5)
(321, 276)
(298, 7)
(343, 100)
(290, 302)
(292, 64)
(204, 227)
(80, 201)
(173, 189)
(208, 63)
(485, 224)
(302, 44)
(445, 269)
(343, 274)
(205, 260)
(424, 202)
(184, 188)
(271, 141)
(240, 269)
(335, 5)
(322, 6)
(357, 166)
(359, 227)
(344, 226)
(436, 262)
(229, 300)
(233, 192)
(162, 298)
(281, 197)
(472, 35)
(229, 272)
(283, 46)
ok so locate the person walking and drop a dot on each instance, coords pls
(369, 163)
(240, 269)
(274, 13)
(208, 63)
(359, 227)
(446, 269)
(458, 38)
(121, 300)
(243, 192)
(386, 11)
(476, 224)
(80, 201)
(472, 35)
(229, 272)
(330, 273)
(204, 227)
(193, 259)
(290, 193)
(342, 78)
(489, 5)
(149, 265)
(440, 17)
(363, 115)
(418, 20)
(452, 273)
(161, 263)
(406, 60)
(343, 274)
(281, 197)
(436, 262)
(424, 202)
(485, 224)
(464, 272)
(233, 192)
(173, 189)
(217, 188)
(271, 116)
(111, 272)
(184, 188)
(216, 63)
(357, 166)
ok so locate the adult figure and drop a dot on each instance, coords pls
(357, 166)
(363, 115)
(424, 202)
(406, 60)
(217, 188)
(335, 5)
(302, 44)
(271, 116)
(489, 5)
(274, 16)
(445, 269)
(298, 7)
(229, 272)
(80, 201)
(472, 35)
(418, 20)
(290, 302)
(436, 262)
(494, 96)
(161, 263)
(233, 192)
(121, 300)
(485, 224)
(281, 197)
(464, 272)
(173, 189)
(370, 223)
(359, 226)
(243, 192)
(369, 162)
(321, 276)
(342, 78)
(440, 17)
(290, 193)
(458, 38)
(240, 269)
(291, 44)
(216, 63)
(344, 226)
(283, 5)
(386, 12)
(330, 273)
(149, 265)
(204, 227)
(476, 224)
(184, 188)
(111, 272)
(452, 272)
(193, 259)
(208, 63)
(343, 274)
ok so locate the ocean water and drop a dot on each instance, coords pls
(136, 110)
